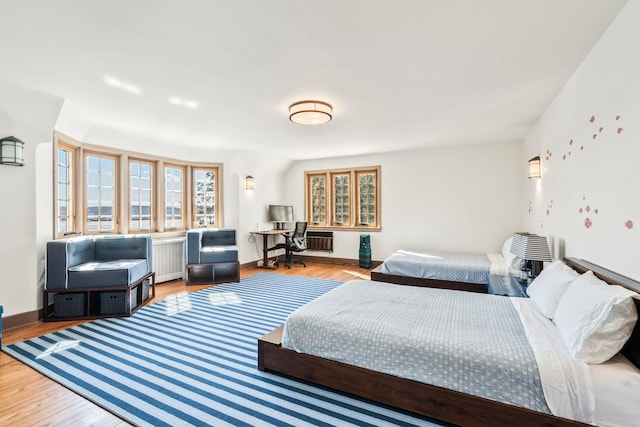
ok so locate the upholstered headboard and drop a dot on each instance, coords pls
(631, 350)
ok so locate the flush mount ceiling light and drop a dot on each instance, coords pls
(310, 113)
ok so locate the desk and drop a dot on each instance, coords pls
(265, 245)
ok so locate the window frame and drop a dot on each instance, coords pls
(185, 177)
(334, 203)
(71, 200)
(116, 192)
(353, 174)
(153, 196)
(309, 204)
(358, 203)
(217, 216)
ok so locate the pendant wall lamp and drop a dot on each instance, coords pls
(11, 151)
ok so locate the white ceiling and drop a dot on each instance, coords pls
(399, 74)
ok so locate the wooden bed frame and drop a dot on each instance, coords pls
(379, 276)
(424, 399)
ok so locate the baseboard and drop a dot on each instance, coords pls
(21, 319)
(334, 260)
(326, 260)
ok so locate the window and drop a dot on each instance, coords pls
(341, 199)
(352, 198)
(109, 191)
(141, 194)
(205, 203)
(100, 210)
(65, 218)
(318, 202)
(173, 197)
(367, 197)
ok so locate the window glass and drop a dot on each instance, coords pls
(318, 200)
(341, 199)
(64, 205)
(204, 197)
(173, 201)
(140, 195)
(367, 198)
(100, 207)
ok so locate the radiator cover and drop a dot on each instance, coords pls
(320, 241)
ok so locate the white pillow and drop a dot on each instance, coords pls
(547, 289)
(595, 319)
(513, 262)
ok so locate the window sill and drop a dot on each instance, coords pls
(338, 228)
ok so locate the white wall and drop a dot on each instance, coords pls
(452, 199)
(29, 116)
(587, 199)
(249, 207)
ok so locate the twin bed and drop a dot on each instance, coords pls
(447, 270)
(460, 357)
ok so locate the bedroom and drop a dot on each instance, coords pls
(600, 173)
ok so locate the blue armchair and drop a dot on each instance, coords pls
(212, 256)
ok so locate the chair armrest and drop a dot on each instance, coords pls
(193, 246)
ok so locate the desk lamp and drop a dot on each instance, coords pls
(534, 250)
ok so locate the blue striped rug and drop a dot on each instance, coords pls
(191, 360)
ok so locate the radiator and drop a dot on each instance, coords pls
(169, 259)
(320, 241)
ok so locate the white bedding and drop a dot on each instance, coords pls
(616, 384)
(499, 266)
(565, 380)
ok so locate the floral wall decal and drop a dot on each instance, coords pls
(629, 224)
(588, 210)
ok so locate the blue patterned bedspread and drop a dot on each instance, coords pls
(457, 267)
(473, 343)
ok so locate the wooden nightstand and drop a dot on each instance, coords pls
(508, 286)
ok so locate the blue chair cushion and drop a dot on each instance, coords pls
(219, 254)
(122, 272)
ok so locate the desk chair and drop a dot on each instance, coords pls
(296, 242)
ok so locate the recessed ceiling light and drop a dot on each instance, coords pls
(113, 82)
(184, 102)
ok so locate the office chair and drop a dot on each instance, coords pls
(296, 242)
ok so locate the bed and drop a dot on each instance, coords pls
(447, 270)
(424, 390)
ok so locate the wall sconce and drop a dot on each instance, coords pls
(249, 183)
(534, 167)
(11, 151)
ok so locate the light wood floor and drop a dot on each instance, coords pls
(28, 398)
